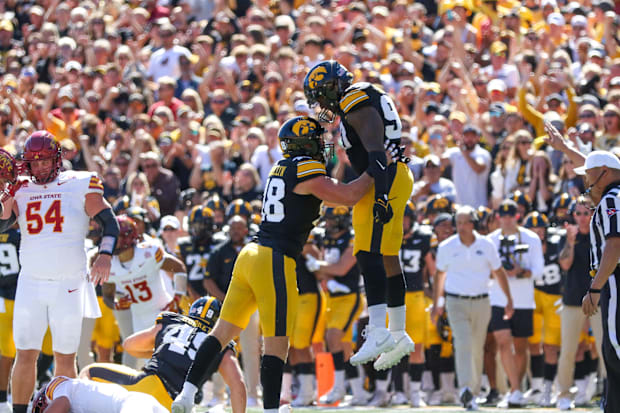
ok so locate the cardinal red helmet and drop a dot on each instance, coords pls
(42, 145)
(8, 167)
(128, 234)
(39, 403)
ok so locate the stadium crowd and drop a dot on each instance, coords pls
(177, 104)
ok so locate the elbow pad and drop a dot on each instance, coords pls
(378, 169)
(5, 224)
(111, 230)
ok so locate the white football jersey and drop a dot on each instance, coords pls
(87, 396)
(140, 279)
(54, 224)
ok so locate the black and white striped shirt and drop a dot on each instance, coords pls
(605, 223)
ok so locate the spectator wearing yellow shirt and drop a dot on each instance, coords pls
(66, 127)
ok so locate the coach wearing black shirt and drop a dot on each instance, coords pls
(575, 262)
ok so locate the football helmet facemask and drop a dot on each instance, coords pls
(39, 146)
(337, 218)
(200, 223)
(303, 136)
(324, 85)
(207, 309)
(39, 402)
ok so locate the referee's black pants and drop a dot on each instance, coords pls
(611, 347)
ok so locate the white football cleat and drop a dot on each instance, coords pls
(360, 399)
(303, 400)
(399, 398)
(6, 407)
(380, 399)
(378, 340)
(415, 399)
(564, 403)
(404, 346)
(182, 404)
(336, 394)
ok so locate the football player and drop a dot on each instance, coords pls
(344, 302)
(416, 258)
(53, 210)
(368, 124)
(65, 395)
(195, 249)
(264, 274)
(547, 325)
(171, 345)
(135, 277)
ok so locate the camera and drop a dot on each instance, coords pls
(508, 248)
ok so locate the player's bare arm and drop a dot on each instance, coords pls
(342, 267)
(107, 293)
(141, 343)
(59, 405)
(99, 209)
(330, 190)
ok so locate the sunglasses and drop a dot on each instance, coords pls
(150, 165)
(218, 101)
(610, 115)
(524, 142)
(169, 229)
(586, 115)
(582, 214)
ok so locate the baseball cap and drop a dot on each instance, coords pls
(458, 115)
(169, 221)
(443, 217)
(556, 19)
(6, 25)
(554, 96)
(596, 159)
(73, 65)
(508, 207)
(302, 106)
(471, 129)
(433, 159)
(578, 21)
(498, 47)
(496, 85)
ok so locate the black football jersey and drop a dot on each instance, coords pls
(9, 263)
(357, 96)
(333, 248)
(412, 253)
(176, 345)
(196, 257)
(287, 217)
(551, 281)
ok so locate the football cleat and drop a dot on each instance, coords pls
(415, 399)
(335, 395)
(360, 399)
(404, 346)
(182, 404)
(378, 340)
(564, 403)
(399, 398)
(380, 399)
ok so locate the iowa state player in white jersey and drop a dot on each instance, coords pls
(53, 209)
(135, 276)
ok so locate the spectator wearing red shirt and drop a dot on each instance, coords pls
(166, 89)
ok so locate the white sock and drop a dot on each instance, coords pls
(416, 385)
(537, 383)
(339, 379)
(189, 390)
(305, 384)
(287, 381)
(376, 315)
(357, 386)
(271, 410)
(548, 385)
(382, 385)
(398, 317)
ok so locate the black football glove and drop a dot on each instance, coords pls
(396, 151)
(382, 210)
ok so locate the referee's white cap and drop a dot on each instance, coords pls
(597, 159)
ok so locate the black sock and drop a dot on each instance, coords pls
(208, 351)
(271, 378)
(382, 374)
(397, 374)
(396, 290)
(537, 365)
(581, 369)
(350, 371)
(20, 408)
(592, 363)
(550, 371)
(432, 361)
(2, 396)
(287, 368)
(374, 276)
(446, 364)
(415, 371)
(338, 360)
(303, 368)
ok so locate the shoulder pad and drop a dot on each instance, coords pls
(310, 167)
(352, 97)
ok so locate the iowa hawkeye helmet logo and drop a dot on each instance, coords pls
(304, 127)
(317, 74)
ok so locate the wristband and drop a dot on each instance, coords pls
(180, 283)
(441, 302)
(594, 290)
(107, 245)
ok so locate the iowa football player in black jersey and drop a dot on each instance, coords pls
(547, 325)
(416, 257)
(264, 274)
(170, 345)
(368, 124)
(195, 249)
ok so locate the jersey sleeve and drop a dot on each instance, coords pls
(610, 208)
(352, 99)
(58, 387)
(309, 169)
(95, 185)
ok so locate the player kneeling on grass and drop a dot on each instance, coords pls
(171, 345)
(64, 395)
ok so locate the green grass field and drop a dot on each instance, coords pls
(400, 409)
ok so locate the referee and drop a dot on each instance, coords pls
(602, 173)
